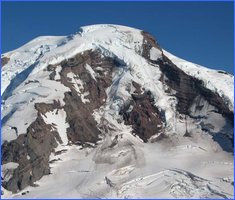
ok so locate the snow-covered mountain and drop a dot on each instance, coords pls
(107, 113)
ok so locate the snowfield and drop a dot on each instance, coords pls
(121, 165)
(177, 168)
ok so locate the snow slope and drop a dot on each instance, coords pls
(176, 167)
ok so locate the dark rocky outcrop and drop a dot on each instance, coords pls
(148, 42)
(96, 88)
(43, 108)
(82, 126)
(187, 87)
(145, 118)
(187, 90)
(4, 60)
(31, 151)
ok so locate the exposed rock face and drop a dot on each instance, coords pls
(43, 108)
(31, 151)
(4, 60)
(79, 111)
(188, 90)
(95, 84)
(145, 118)
(187, 87)
(148, 43)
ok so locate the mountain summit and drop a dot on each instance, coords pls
(108, 113)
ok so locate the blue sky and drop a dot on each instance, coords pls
(201, 32)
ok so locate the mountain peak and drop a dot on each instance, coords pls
(98, 27)
(113, 96)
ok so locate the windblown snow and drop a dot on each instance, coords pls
(177, 167)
